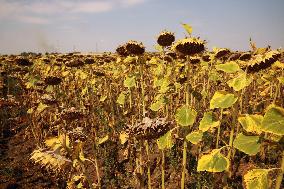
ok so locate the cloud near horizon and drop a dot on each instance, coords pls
(44, 12)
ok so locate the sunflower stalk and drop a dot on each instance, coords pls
(280, 176)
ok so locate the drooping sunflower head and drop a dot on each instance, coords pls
(48, 99)
(166, 38)
(234, 56)
(262, 61)
(134, 48)
(149, 128)
(245, 56)
(23, 62)
(121, 50)
(52, 80)
(206, 58)
(189, 46)
(194, 60)
(71, 114)
(221, 52)
(74, 63)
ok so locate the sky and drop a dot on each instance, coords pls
(101, 25)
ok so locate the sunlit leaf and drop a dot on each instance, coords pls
(121, 98)
(165, 141)
(164, 86)
(185, 116)
(84, 91)
(158, 48)
(247, 144)
(130, 59)
(240, 82)
(49, 88)
(159, 70)
(194, 137)
(123, 137)
(156, 106)
(102, 140)
(273, 137)
(208, 122)
(222, 99)
(256, 179)
(129, 82)
(103, 98)
(81, 155)
(281, 80)
(188, 28)
(30, 111)
(229, 67)
(82, 75)
(64, 74)
(251, 123)
(278, 64)
(31, 82)
(213, 162)
(273, 121)
(214, 75)
(41, 107)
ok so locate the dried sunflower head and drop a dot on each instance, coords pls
(134, 48)
(262, 61)
(168, 58)
(234, 56)
(121, 50)
(188, 46)
(74, 63)
(71, 114)
(52, 80)
(48, 99)
(171, 54)
(166, 38)
(10, 102)
(89, 61)
(23, 62)
(221, 52)
(206, 58)
(245, 56)
(194, 60)
(149, 128)
(77, 134)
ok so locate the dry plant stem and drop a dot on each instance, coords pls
(94, 152)
(65, 138)
(163, 169)
(140, 62)
(219, 129)
(79, 150)
(280, 176)
(97, 171)
(185, 143)
(148, 163)
(234, 123)
(183, 165)
(188, 81)
(204, 89)
(142, 88)
(277, 92)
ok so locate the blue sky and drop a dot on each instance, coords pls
(64, 25)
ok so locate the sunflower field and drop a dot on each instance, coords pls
(181, 117)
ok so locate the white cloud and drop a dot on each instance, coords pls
(128, 3)
(38, 12)
(33, 19)
(93, 7)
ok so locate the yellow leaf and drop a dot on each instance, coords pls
(188, 28)
(123, 137)
(102, 140)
